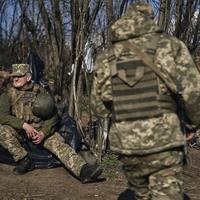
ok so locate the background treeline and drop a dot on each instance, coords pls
(67, 34)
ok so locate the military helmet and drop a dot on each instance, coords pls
(143, 8)
(137, 21)
(43, 106)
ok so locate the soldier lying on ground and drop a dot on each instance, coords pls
(23, 115)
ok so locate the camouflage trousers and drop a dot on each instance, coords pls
(9, 139)
(155, 176)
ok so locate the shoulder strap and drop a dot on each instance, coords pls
(36, 89)
(18, 97)
(149, 62)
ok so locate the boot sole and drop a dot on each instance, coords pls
(17, 173)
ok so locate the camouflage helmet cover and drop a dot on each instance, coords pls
(143, 8)
(138, 20)
(44, 106)
(20, 69)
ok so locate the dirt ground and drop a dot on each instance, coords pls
(55, 184)
(58, 184)
(191, 175)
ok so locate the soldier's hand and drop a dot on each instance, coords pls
(30, 131)
(37, 139)
(190, 136)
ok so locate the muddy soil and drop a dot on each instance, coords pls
(58, 184)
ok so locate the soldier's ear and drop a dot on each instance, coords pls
(28, 78)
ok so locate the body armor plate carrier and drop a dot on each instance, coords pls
(136, 91)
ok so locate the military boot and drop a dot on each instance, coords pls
(23, 166)
(88, 156)
(90, 173)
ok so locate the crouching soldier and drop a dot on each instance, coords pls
(22, 113)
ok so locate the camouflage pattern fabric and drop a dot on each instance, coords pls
(15, 109)
(21, 104)
(150, 136)
(170, 57)
(9, 140)
(20, 69)
(67, 155)
(136, 22)
(142, 137)
(156, 176)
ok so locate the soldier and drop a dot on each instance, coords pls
(138, 80)
(26, 109)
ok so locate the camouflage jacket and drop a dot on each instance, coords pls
(156, 134)
(16, 108)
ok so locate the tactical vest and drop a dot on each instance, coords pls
(21, 105)
(137, 90)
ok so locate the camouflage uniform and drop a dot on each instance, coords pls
(150, 148)
(20, 103)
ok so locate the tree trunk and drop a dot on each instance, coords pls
(164, 14)
(110, 19)
(53, 46)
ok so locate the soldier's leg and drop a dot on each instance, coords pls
(136, 177)
(166, 184)
(65, 153)
(8, 139)
(155, 176)
(72, 161)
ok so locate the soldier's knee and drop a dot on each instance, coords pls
(55, 140)
(6, 130)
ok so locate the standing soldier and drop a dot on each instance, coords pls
(27, 110)
(138, 80)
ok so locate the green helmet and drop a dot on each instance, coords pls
(43, 106)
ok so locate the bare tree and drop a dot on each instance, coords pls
(164, 14)
(83, 16)
(59, 28)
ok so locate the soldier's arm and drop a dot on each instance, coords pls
(101, 94)
(188, 80)
(5, 115)
(49, 125)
